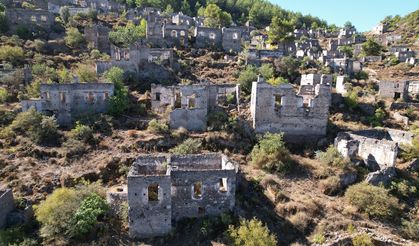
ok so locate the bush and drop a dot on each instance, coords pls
(23, 32)
(351, 99)
(362, 239)
(46, 132)
(246, 78)
(411, 228)
(73, 37)
(301, 220)
(127, 35)
(86, 216)
(251, 232)
(189, 146)
(24, 121)
(267, 71)
(119, 102)
(12, 54)
(361, 75)
(217, 121)
(3, 95)
(319, 238)
(271, 154)
(372, 200)
(86, 73)
(331, 157)
(330, 186)
(157, 127)
(377, 118)
(82, 132)
(410, 152)
(70, 212)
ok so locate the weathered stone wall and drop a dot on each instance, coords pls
(7, 205)
(98, 35)
(190, 119)
(231, 39)
(375, 146)
(392, 89)
(176, 35)
(29, 18)
(188, 186)
(315, 79)
(206, 37)
(66, 101)
(279, 109)
(341, 86)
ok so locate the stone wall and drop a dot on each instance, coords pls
(377, 147)
(66, 101)
(315, 79)
(176, 35)
(7, 205)
(183, 186)
(98, 35)
(392, 89)
(231, 39)
(30, 18)
(280, 109)
(206, 37)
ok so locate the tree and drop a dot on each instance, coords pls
(271, 154)
(129, 34)
(65, 14)
(246, 78)
(287, 67)
(119, 101)
(347, 50)
(251, 233)
(186, 8)
(348, 25)
(279, 30)
(73, 37)
(371, 48)
(64, 75)
(267, 71)
(169, 9)
(215, 17)
(46, 132)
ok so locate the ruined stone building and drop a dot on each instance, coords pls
(260, 56)
(176, 35)
(207, 37)
(30, 18)
(232, 39)
(98, 37)
(407, 90)
(378, 148)
(104, 6)
(182, 19)
(166, 188)
(189, 105)
(132, 58)
(344, 65)
(342, 87)
(7, 205)
(315, 79)
(347, 32)
(67, 101)
(281, 109)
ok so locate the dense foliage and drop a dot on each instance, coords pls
(126, 35)
(251, 233)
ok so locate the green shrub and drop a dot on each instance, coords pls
(86, 73)
(372, 200)
(404, 188)
(377, 119)
(267, 71)
(351, 99)
(362, 239)
(319, 238)
(82, 132)
(73, 37)
(127, 35)
(23, 32)
(46, 132)
(12, 54)
(3, 95)
(251, 233)
(361, 75)
(331, 157)
(189, 146)
(157, 127)
(70, 212)
(410, 152)
(246, 78)
(24, 121)
(119, 102)
(86, 216)
(217, 120)
(271, 154)
(411, 228)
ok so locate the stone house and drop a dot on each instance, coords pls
(98, 36)
(30, 18)
(378, 148)
(134, 57)
(344, 65)
(7, 205)
(406, 90)
(346, 32)
(166, 188)
(176, 35)
(281, 109)
(189, 105)
(315, 79)
(380, 29)
(232, 39)
(68, 101)
(206, 37)
(342, 87)
(104, 6)
(183, 20)
(259, 56)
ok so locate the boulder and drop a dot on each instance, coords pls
(381, 177)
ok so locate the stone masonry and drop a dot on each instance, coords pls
(231, 39)
(166, 188)
(98, 36)
(281, 109)
(399, 89)
(6, 205)
(67, 101)
(30, 18)
(378, 148)
(189, 105)
(208, 37)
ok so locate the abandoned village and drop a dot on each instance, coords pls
(136, 122)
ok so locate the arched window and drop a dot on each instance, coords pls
(197, 190)
(212, 35)
(182, 33)
(235, 36)
(173, 34)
